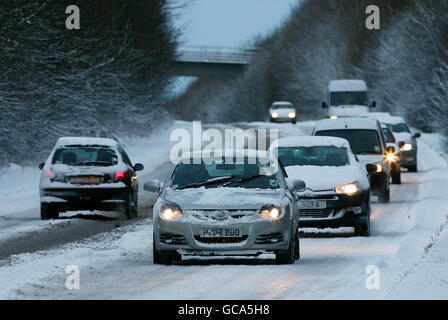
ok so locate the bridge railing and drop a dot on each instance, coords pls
(205, 54)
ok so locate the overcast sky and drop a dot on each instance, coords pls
(230, 22)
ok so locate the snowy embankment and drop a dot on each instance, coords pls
(408, 246)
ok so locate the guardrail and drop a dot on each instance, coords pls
(205, 54)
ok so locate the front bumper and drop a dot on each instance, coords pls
(67, 199)
(341, 210)
(409, 158)
(378, 182)
(184, 236)
(283, 119)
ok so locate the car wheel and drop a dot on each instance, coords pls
(166, 257)
(287, 256)
(363, 229)
(47, 212)
(396, 178)
(412, 168)
(297, 246)
(129, 208)
(385, 196)
(294, 121)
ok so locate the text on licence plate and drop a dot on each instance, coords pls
(312, 204)
(85, 180)
(221, 233)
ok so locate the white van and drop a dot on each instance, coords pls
(347, 98)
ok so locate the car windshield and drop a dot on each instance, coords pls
(348, 98)
(399, 127)
(361, 140)
(217, 173)
(281, 106)
(313, 156)
(88, 156)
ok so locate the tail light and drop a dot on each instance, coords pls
(49, 174)
(122, 175)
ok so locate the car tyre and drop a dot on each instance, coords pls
(396, 178)
(166, 258)
(294, 121)
(287, 256)
(363, 229)
(385, 196)
(47, 212)
(297, 249)
(412, 168)
(130, 208)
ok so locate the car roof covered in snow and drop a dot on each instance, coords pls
(385, 118)
(86, 141)
(282, 103)
(312, 141)
(347, 85)
(347, 123)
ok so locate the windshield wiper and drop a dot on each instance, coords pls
(245, 179)
(206, 182)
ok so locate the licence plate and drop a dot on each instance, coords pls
(312, 204)
(85, 180)
(221, 233)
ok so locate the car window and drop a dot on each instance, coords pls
(399, 127)
(91, 156)
(361, 140)
(281, 106)
(313, 156)
(388, 136)
(187, 174)
(348, 98)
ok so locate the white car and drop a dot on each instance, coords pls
(282, 111)
(338, 190)
(367, 143)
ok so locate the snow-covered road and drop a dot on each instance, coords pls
(408, 247)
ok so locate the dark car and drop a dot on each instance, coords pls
(88, 174)
(338, 190)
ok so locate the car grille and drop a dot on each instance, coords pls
(221, 240)
(226, 214)
(171, 238)
(321, 213)
(316, 213)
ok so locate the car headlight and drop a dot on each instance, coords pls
(407, 147)
(270, 213)
(292, 115)
(333, 117)
(170, 211)
(274, 115)
(379, 167)
(391, 156)
(349, 188)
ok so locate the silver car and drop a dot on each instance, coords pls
(232, 205)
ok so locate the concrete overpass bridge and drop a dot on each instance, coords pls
(201, 61)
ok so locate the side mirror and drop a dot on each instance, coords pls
(138, 167)
(153, 186)
(324, 105)
(371, 168)
(401, 144)
(373, 104)
(41, 165)
(417, 135)
(390, 149)
(296, 185)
